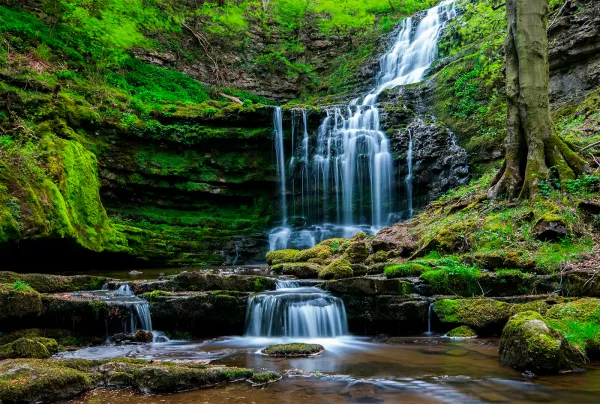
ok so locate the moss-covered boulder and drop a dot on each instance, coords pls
(169, 379)
(31, 380)
(281, 256)
(338, 269)
(57, 334)
(319, 254)
(295, 349)
(528, 342)
(301, 270)
(357, 252)
(405, 270)
(47, 283)
(262, 378)
(37, 348)
(487, 316)
(18, 299)
(462, 332)
(580, 322)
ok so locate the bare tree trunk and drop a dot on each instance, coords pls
(534, 151)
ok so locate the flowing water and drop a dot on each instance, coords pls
(298, 312)
(409, 369)
(341, 178)
(138, 317)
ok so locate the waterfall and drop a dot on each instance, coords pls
(286, 284)
(139, 309)
(280, 155)
(344, 178)
(302, 312)
(409, 175)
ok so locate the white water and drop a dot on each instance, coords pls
(304, 312)
(343, 183)
(139, 309)
(409, 175)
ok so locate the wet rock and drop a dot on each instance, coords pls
(47, 283)
(461, 332)
(40, 381)
(529, 343)
(386, 313)
(394, 238)
(550, 228)
(439, 163)
(293, 350)
(365, 286)
(200, 314)
(17, 302)
(36, 347)
(301, 270)
(338, 269)
(162, 379)
(199, 281)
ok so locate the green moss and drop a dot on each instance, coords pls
(480, 314)
(18, 301)
(358, 251)
(262, 378)
(458, 280)
(320, 254)
(38, 348)
(40, 380)
(338, 269)
(155, 295)
(293, 349)
(405, 270)
(301, 270)
(281, 256)
(461, 332)
(529, 343)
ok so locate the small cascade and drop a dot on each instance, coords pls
(139, 309)
(235, 258)
(341, 177)
(301, 312)
(286, 284)
(409, 176)
(429, 313)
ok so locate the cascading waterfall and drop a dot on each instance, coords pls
(299, 312)
(409, 175)
(344, 182)
(139, 309)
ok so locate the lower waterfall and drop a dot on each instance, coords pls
(304, 312)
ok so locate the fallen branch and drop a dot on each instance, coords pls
(232, 98)
(589, 146)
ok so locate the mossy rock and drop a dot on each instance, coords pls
(405, 270)
(337, 245)
(295, 349)
(461, 332)
(18, 301)
(528, 342)
(363, 286)
(378, 257)
(262, 378)
(579, 310)
(169, 379)
(36, 348)
(54, 333)
(580, 322)
(480, 314)
(338, 269)
(453, 280)
(301, 270)
(199, 281)
(34, 380)
(319, 254)
(281, 256)
(357, 252)
(47, 283)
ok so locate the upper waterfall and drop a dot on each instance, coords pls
(341, 180)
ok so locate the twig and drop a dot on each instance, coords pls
(589, 146)
(206, 47)
(551, 25)
(232, 98)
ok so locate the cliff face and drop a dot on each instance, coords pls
(87, 173)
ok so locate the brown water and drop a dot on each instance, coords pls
(413, 370)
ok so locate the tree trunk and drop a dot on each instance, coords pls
(534, 152)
